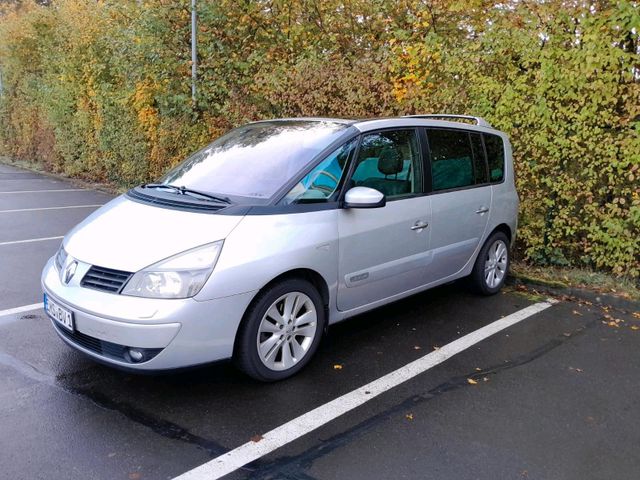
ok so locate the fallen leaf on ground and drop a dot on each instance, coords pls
(575, 312)
(636, 314)
(471, 381)
(635, 327)
(478, 369)
(256, 438)
(337, 366)
(435, 347)
(409, 416)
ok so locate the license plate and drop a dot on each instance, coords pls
(61, 315)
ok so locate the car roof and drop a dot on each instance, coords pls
(433, 120)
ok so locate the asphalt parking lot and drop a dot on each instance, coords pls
(556, 395)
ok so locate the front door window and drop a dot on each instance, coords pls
(321, 183)
(389, 161)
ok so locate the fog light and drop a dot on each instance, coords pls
(136, 355)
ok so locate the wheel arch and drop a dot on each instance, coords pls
(504, 228)
(308, 274)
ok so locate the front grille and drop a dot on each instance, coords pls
(105, 279)
(102, 347)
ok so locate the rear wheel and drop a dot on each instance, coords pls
(281, 331)
(491, 267)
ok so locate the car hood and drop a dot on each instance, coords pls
(127, 235)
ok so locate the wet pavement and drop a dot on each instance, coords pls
(555, 396)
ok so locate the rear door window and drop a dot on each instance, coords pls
(451, 159)
(495, 157)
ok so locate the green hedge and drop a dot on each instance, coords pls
(101, 91)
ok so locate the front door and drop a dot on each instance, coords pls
(384, 251)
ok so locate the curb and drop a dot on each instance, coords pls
(597, 298)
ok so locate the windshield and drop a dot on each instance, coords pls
(255, 160)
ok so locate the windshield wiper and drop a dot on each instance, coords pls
(187, 191)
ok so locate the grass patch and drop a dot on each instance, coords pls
(555, 277)
(524, 292)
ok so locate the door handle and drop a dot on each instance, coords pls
(419, 226)
(482, 210)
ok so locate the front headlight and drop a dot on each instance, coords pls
(180, 276)
(61, 257)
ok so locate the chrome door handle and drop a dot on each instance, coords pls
(420, 226)
(482, 210)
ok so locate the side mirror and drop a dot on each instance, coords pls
(364, 197)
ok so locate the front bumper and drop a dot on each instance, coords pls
(177, 333)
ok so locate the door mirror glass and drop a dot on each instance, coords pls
(364, 197)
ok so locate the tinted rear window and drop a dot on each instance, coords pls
(495, 157)
(479, 160)
(451, 159)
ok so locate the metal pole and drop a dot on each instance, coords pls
(194, 49)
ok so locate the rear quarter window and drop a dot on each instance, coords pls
(495, 156)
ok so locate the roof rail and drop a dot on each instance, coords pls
(478, 120)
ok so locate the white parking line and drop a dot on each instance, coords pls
(290, 431)
(50, 191)
(14, 242)
(26, 308)
(48, 208)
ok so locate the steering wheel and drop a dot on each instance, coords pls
(324, 188)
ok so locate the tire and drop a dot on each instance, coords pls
(268, 323)
(489, 274)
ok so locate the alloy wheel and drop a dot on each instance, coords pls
(495, 266)
(287, 331)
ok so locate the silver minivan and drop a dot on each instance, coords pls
(252, 246)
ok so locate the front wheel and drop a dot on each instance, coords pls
(281, 331)
(491, 267)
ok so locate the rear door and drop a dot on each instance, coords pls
(383, 251)
(460, 200)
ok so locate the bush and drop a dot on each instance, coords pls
(102, 91)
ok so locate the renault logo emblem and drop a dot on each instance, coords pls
(70, 271)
